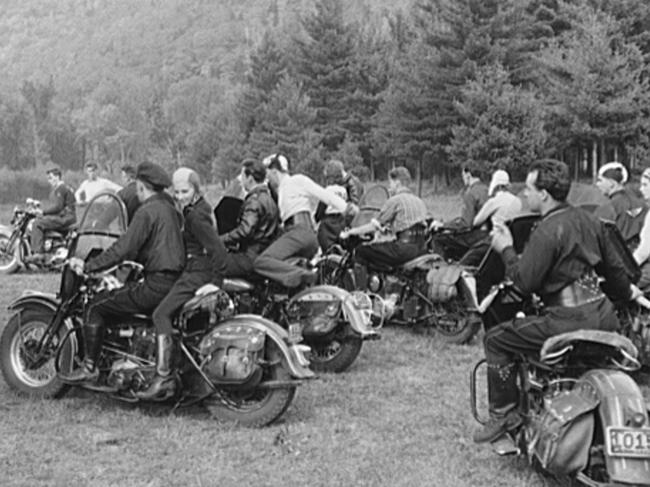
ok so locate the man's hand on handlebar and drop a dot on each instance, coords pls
(76, 265)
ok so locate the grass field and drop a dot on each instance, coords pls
(398, 417)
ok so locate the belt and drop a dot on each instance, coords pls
(582, 291)
(413, 234)
(300, 218)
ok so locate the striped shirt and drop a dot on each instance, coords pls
(402, 211)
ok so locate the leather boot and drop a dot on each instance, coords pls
(88, 373)
(163, 385)
(503, 399)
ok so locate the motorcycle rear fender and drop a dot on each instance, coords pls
(277, 335)
(620, 398)
(359, 322)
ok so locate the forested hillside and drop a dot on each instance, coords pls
(429, 83)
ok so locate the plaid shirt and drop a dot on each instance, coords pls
(402, 211)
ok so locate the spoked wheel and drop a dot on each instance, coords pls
(18, 348)
(453, 323)
(336, 355)
(9, 253)
(255, 407)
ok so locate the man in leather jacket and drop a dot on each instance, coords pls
(258, 222)
(561, 262)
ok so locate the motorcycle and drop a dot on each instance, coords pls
(243, 368)
(425, 292)
(15, 247)
(583, 416)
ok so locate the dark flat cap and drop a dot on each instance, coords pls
(152, 174)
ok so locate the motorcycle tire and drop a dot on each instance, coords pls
(25, 328)
(10, 259)
(334, 356)
(253, 408)
(465, 329)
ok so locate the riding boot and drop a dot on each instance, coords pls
(503, 399)
(88, 373)
(163, 385)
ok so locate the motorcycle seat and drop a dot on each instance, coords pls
(589, 344)
(236, 285)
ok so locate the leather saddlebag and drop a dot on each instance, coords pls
(565, 430)
(233, 354)
(441, 281)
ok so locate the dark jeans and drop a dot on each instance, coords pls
(329, 230)
(47, 222)
(197, 273)
(297, 241)
(388, 254)
(506, 341)
(136, 297)
(240, 264)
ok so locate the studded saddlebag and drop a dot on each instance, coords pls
(441, 281)
(564, 432)
(232, 354)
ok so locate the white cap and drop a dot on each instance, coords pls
(499, 178)
(613, 165)
(284, 163)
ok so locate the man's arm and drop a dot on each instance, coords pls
(318, 192)
(58, 202)
(486, 211)
(111, 186)
(247, 223)
(617, 285)
(80, 190)
(126, 247)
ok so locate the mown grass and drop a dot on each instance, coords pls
(399, 417)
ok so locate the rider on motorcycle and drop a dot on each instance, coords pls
(298, 196)
(154, 239)
(58, 215)
(561, 263)
(405, 215)
(258, 222)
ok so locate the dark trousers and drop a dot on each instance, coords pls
(297, 241)
(47, 222)
(388, 254)
(240, 264)
(329, 230)
(197, 273)
(506, 341)
(136, 297)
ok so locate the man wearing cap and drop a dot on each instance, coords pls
(404, 215)
(348, 187)
(59, 214)
(94, 185)
(626, 209)
(258, 223)
(129, 194)
(298, 196)
(153, 239)
(502, 205)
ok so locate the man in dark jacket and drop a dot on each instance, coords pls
(59, 213)
(153, 239)
(561, 263)
(258, 222)
(129, 194)
(331, 222)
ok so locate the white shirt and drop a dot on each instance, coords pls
(502, 207)
(642, 252)
(298, 193)
(89, 189)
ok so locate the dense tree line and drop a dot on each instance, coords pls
(432, 84)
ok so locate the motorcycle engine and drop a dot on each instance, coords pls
(134, 372)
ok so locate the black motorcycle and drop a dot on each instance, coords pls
(243, 368)
(583, 416)
(15, 247)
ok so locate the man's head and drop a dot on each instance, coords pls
(128, 173)
(54, 175)
(276, 166)
(611, 177)
(470, 173)
(150, 179)
(187, 185)
(91, 170)
(645, 184)
(547, 184)
(334, 171)
(253, 172)
(398, 178)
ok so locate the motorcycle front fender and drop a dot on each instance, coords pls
(292, 354)
(620, 399)
(35, 298)
(358, 320)
(6, 230)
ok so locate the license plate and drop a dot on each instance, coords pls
(628, 442)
